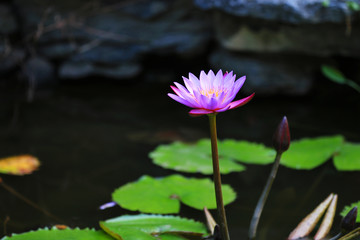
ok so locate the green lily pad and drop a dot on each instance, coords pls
(348, 159)
(310, 153)
(163, 195)
(247, 152)
(55, 234)
(152, 227)
(347, 209)
(192, 158)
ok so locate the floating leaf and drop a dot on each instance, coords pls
(309, 222)
(163, 195)
(347, 209)
(146, 227)
(311, 153)
(55, 234)
(333, 74)
(192, 158)
(19, 165)
(348, 158)
(197, 157)
(247, 152)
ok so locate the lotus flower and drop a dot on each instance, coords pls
(211, 94)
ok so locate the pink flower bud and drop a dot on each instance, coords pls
(348, 222)
(281, 140)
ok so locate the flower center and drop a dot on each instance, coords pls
(210, 92)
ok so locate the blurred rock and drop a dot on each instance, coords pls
(311, 39)
(58, 50)
(8, 23)
(268, 74)
(77, 70)
(98, 38)
(147, 9)
(295, 11)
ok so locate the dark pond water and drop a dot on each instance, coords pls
(92, 138)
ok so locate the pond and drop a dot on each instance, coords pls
(92, 138)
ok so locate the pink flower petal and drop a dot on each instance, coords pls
(241, 102)
(223, 109)
(182, 92)
(213, 104)
(211, 79)
(198, 112)
(194, 81)
(180, 100)
(218, 81)
(238, 84)
(204, 101)
(204, 81)
(189, 85)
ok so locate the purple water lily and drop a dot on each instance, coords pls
(211, 94)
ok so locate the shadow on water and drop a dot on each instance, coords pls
(93, 138)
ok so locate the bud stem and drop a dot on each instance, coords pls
(217, 178)
(260, 205)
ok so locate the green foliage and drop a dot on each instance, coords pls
(163, 195)
(311, 153)
(333, 74)
(192, 158)
(247, 152)
(55, 234)
(152, 227)
(197, 157)
(347, 209)
(326, 3)
(354, 6)
(348, 159)
(306, 154)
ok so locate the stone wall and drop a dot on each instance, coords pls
(279, 45)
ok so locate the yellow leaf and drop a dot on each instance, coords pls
(19, 165)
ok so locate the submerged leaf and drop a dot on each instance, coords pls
(56, 234)
(347, 209)
(309, 222)
(310, 153)
(152, 227)
(19, 165)
(163, 195)
(192, 158)
(348, 158)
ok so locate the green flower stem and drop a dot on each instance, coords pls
(217, 178)
(260, 205)
(353, 235)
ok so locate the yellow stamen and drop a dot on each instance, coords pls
(211, 92)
